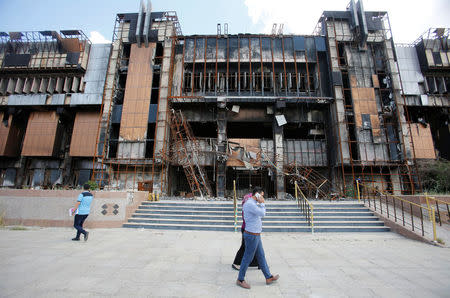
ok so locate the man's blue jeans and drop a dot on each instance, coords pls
(253, 245)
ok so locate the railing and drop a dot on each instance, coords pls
(235, 205)
(412, 216)
(305, 206)
(438, 203)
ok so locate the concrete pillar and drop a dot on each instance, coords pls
(222, 147)
(20, 174)
(279, 158)
(395, 180)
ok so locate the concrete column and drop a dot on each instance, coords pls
(20, 173)
(279, 158)
(338, 106)
(222, 147)
(395, 180)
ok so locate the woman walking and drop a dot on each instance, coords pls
(240, 253)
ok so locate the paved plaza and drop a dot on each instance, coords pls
(44, 262)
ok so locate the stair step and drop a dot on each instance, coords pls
(265, 228)
(265, 219)
(300, 222)
(226, 204)
(229, 208)
(225, 213)
(343, 213)
(213, 222)
(337, 205)
(218, 217)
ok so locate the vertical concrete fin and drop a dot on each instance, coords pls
(147, 21)
(139, 23)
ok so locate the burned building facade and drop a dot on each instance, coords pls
(175, 114)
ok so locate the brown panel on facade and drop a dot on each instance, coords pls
(10, 137)
(376, 131)
(71, 44)
(239, 154)
(375, 81)
(41, 134)
(136, 103)
(364, 103)
(84, 134)
(423, 141)
(353, 82)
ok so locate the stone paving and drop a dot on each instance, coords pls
(44, 262)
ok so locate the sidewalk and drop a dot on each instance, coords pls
(44, 262)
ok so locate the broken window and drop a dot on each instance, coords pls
(210, 82)
(232, 82)
(198, 82)
(268, 81)
(244, 82)
(187, 82)
(437, 58)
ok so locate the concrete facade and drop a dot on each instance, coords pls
(258, 109)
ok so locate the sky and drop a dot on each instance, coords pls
(408, 18)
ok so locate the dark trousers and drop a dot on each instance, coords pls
(240, 254)
(78, 224)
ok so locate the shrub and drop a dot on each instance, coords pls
(92, 184)
(435, 175)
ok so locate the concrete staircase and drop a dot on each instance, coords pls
(280, 217)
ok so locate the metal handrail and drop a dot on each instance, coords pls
(305, 206)
(235, 205)
(437, 203)
(397, 202)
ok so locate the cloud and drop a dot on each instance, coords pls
(408, 18)
(97, 37)
(299, 17)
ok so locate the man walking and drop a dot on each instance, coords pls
(84, 207)
(254, 209)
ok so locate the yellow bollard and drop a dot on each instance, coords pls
(157, 197)
(150, 198)
(235, 205)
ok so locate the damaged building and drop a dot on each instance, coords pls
(178, 114)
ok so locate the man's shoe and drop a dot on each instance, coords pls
(235, 267)
(86, 236)
(75, 239)
(243, 284)
(272, 279)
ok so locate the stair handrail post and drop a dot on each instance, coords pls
(235, 205)
(427, 199)
(433, 220)
(357, 189)
(296, 193)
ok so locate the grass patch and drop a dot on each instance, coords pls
(18, 228)
(440, 241)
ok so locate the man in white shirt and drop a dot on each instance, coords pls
(254, 209)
